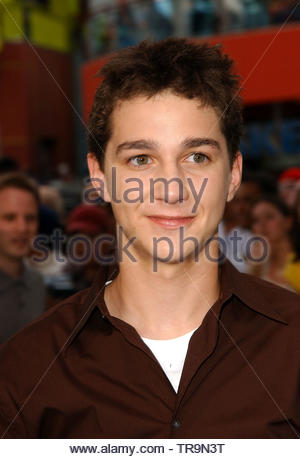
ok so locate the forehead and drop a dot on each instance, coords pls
(164, 115)
(17, 200)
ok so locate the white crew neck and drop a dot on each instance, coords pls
(171, 354)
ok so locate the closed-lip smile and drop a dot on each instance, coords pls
(171, 221)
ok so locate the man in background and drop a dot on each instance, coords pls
(22, 292)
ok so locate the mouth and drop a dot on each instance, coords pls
(170, 222)
(21, 241)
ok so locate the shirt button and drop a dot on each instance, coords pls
(176, 424)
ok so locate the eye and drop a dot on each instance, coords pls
(31, 218)
(140, 160)
(8, 217)
(197, 158)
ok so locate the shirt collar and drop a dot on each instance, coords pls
(94, 298)
(250, 290)
(255, 293)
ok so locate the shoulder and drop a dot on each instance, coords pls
(30, 356)
(32, 276)
(292, 273)
(53, 326)
(267, 296)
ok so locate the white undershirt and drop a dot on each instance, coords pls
(171, 354)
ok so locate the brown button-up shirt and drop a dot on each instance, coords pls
(78, 372)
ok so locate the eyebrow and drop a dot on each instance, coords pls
(141, 144)
(193, 142)
(189, 142)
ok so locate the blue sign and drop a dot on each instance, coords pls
(267, 139)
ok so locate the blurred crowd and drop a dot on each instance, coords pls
(45, 250)
(261, 227)
(136, 20)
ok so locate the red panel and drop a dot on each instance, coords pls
(35, 87)
(14, 119)
(50, 98)
(90, 83)
(267, 60)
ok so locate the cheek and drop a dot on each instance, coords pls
(214, 196)
(254, 227)
(218, 184)
(276, 227)
(210, 212)
(257, 224)
(125, 213)
(33, 227)
(6, 230)
(282, 225)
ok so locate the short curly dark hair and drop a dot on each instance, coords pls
(188, 69)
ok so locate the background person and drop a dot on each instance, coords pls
(89, 221)
(273, 220)
(234, 237)
(22, 291)
(289, 185)
(235, 227)
(292, 270)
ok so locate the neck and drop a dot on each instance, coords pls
(167, 303)
(11, 266)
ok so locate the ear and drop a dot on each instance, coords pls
(97, 177)
(235, 176)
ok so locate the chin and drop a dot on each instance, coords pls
(176, 258)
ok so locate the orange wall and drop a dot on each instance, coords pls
(267, 60)
(90, 83)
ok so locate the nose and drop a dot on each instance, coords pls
(169, 185)
(22, 225)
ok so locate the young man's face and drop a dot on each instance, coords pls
(18, 222)
(167, 137)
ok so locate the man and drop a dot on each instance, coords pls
(22, 292)
(176, 344)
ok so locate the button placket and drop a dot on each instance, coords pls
(176, 424)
